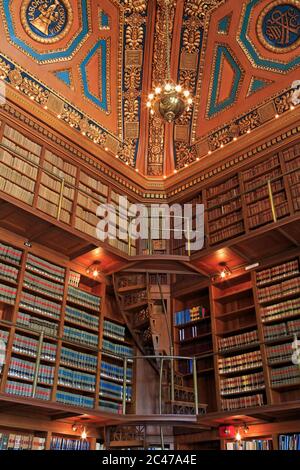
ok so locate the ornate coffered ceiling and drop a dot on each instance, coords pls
(92, 63)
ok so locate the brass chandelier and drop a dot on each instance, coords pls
(168, 99)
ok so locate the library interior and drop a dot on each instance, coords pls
(150, 225)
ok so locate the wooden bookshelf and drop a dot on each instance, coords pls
(193, 337)
(68, 308)
(238, 362)
(277, 290)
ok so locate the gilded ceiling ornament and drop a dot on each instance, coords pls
(283, 102)
(15, 77)
(278, 26)
(192, 35)
(185, 154)
(132, 77)
(95, 134)
(4, 69)
(131, 109)
(137, 6)
(249, 122)
(134, 37)
(71, 116)
(46, 21)
(127, 151)
(200, 8)
(35, 91)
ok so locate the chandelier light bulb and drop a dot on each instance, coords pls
(186, 93)
(157, 90)
(148, 104)
(178, 88)
(84, 434)
(168, 86)
(150, 96)
(190, 101)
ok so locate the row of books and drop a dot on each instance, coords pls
(113, 330)
(114, 390)
(80, 336)
(41, 266)
(85, 227)
(243, 383)
(78, 359)
(10, 254)
(4, 336)
(14, 190)
(7, 294)
(292, 152)
(226, 185)
(40, 305)
(75, 379)
(29, 346)
(81, 317)
(190, 332)
(249, 401)
(266, 216)
(223, 198)
(118, 349)
(254, 444)
(52, 209)
(249, 360)
(264, 205)
(281, 310)
(86, 201)
(14, 176)
(280, 352)
(244, 339)
(62, 443)
(84, 298)
(294, 177)
(190, 314)
(289, 442)
(21, 442)
(18, 164)
(8, 272)
(74, 399)
(37, 324)
(277, 272)
(54, 184)
(122, 246)
(281, 329)
(110, 406)
(263, 192)
(89, 198)
(46, 194)
(225, 221)
(16, 137)
(93, 183)
(22, 389)
(89, 217)
(284, 288)
(115, 372)
(260, 168)
(60, 167)
(43, 286)
(74, 279)
(287, 375)
(253, 183)
(224, 209)
(227, 233)
(26, 370)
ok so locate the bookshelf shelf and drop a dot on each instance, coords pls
(234, 313)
